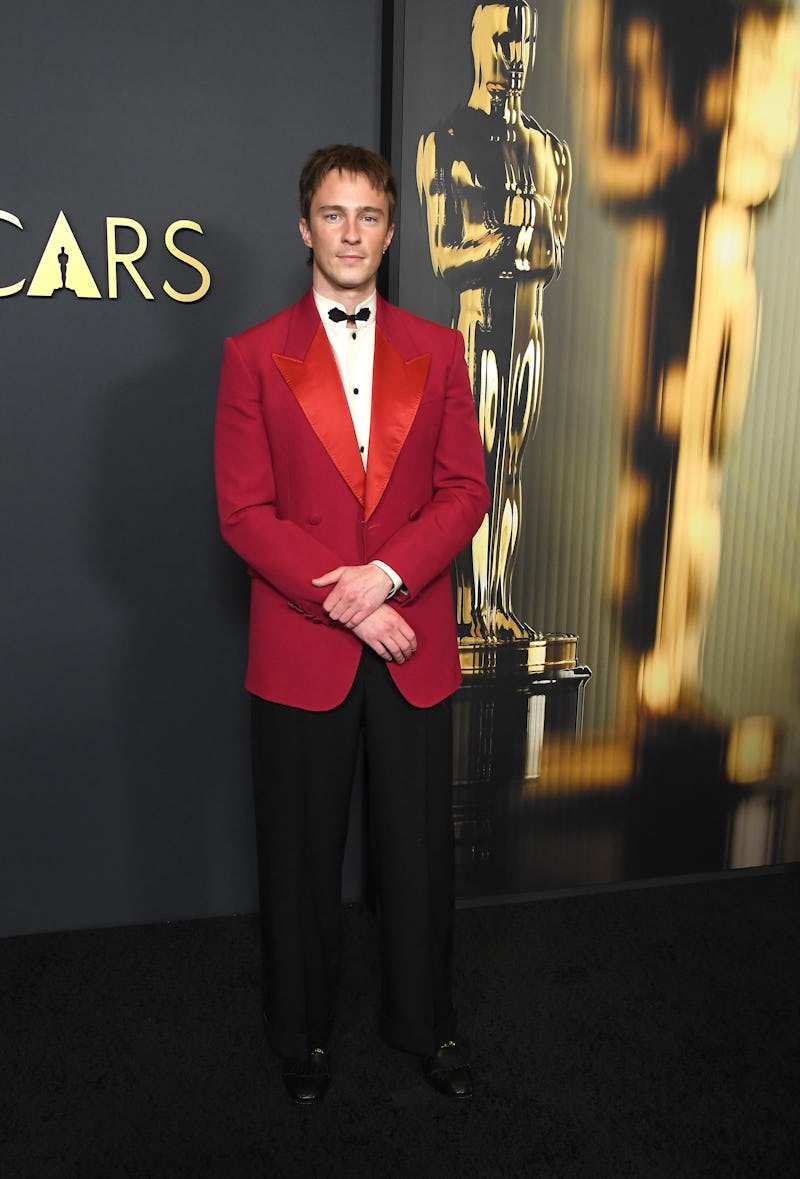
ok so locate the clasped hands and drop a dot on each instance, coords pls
(357, 601)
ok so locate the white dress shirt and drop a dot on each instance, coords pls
(353, 346)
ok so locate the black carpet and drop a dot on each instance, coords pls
(643, 1033)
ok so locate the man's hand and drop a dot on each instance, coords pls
(388, 634)
(357, 591)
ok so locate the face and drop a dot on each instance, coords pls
(503, 45)
(348, 229)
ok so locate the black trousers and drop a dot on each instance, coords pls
(303, 767)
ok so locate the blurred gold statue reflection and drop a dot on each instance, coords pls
(690, 113)
(495, 186)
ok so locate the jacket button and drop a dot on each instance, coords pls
(315, 519)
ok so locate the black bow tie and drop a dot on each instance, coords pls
(339, 316)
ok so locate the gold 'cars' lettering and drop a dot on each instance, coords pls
(182, 256)
(115, 258)
(13, 288)
(63, 271)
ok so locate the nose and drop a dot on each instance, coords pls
(350, 229)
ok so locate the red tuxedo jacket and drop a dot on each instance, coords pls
(295, 502)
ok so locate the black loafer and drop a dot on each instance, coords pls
(307, 1080)
(448, 1071)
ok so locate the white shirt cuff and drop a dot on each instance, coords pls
(396, 581)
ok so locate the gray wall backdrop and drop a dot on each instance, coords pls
(123, 722)
(124, 776)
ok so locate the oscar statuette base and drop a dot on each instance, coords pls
(513, 697)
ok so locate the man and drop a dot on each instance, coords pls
(495, 187)
(349, 474)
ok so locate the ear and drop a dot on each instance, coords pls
(388, 238)
(305, 232)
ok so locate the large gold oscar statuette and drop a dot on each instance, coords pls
(495, 186)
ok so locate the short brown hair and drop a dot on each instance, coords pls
(346, 157)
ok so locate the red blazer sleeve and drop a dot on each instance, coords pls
(277, 550)
(424, 547)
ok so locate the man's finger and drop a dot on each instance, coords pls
(408, 640)
(328, 578)
(347, 613)
(394, 649)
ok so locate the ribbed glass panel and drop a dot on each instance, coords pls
(709, 669)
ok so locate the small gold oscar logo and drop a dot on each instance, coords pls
(62, 268)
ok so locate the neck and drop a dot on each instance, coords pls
(351, 303)
(349, 299)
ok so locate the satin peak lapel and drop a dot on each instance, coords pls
(397, 386)
(315, 382)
